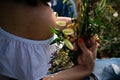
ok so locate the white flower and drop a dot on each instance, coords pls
(115, 14)
(61, 23)
(68, 31)
(68, 44)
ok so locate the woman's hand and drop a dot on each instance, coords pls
(88, 56)
(85, 64)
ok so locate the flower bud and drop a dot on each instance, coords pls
(115, 15)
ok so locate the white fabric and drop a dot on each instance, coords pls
(22, 58)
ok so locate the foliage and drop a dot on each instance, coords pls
(110, 38)
(97, 18)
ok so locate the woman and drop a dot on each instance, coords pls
(25, 38)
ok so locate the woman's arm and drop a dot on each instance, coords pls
(86, 64)
(74, 73)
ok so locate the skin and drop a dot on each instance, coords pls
(30, 22)
(86, 64)
(25, 21)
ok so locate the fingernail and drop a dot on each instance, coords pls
(81, 40)
(97, 40)
(75, 49)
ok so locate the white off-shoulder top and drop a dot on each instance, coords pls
(24, 59)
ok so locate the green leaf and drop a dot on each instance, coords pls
(64, 1)
(102, 4)
(56, 40)
(53, 30)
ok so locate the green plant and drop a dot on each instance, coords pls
(94, 19)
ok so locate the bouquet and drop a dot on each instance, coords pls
(86, 25)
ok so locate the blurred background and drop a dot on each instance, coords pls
(110, 45)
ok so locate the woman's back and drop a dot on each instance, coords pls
(26, 21)
(20, 57)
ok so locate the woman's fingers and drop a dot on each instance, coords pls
(88, 56)
(82, 45)
(94, 46)
(91, 52)
(94, 49)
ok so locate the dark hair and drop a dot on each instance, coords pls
(33, 2)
